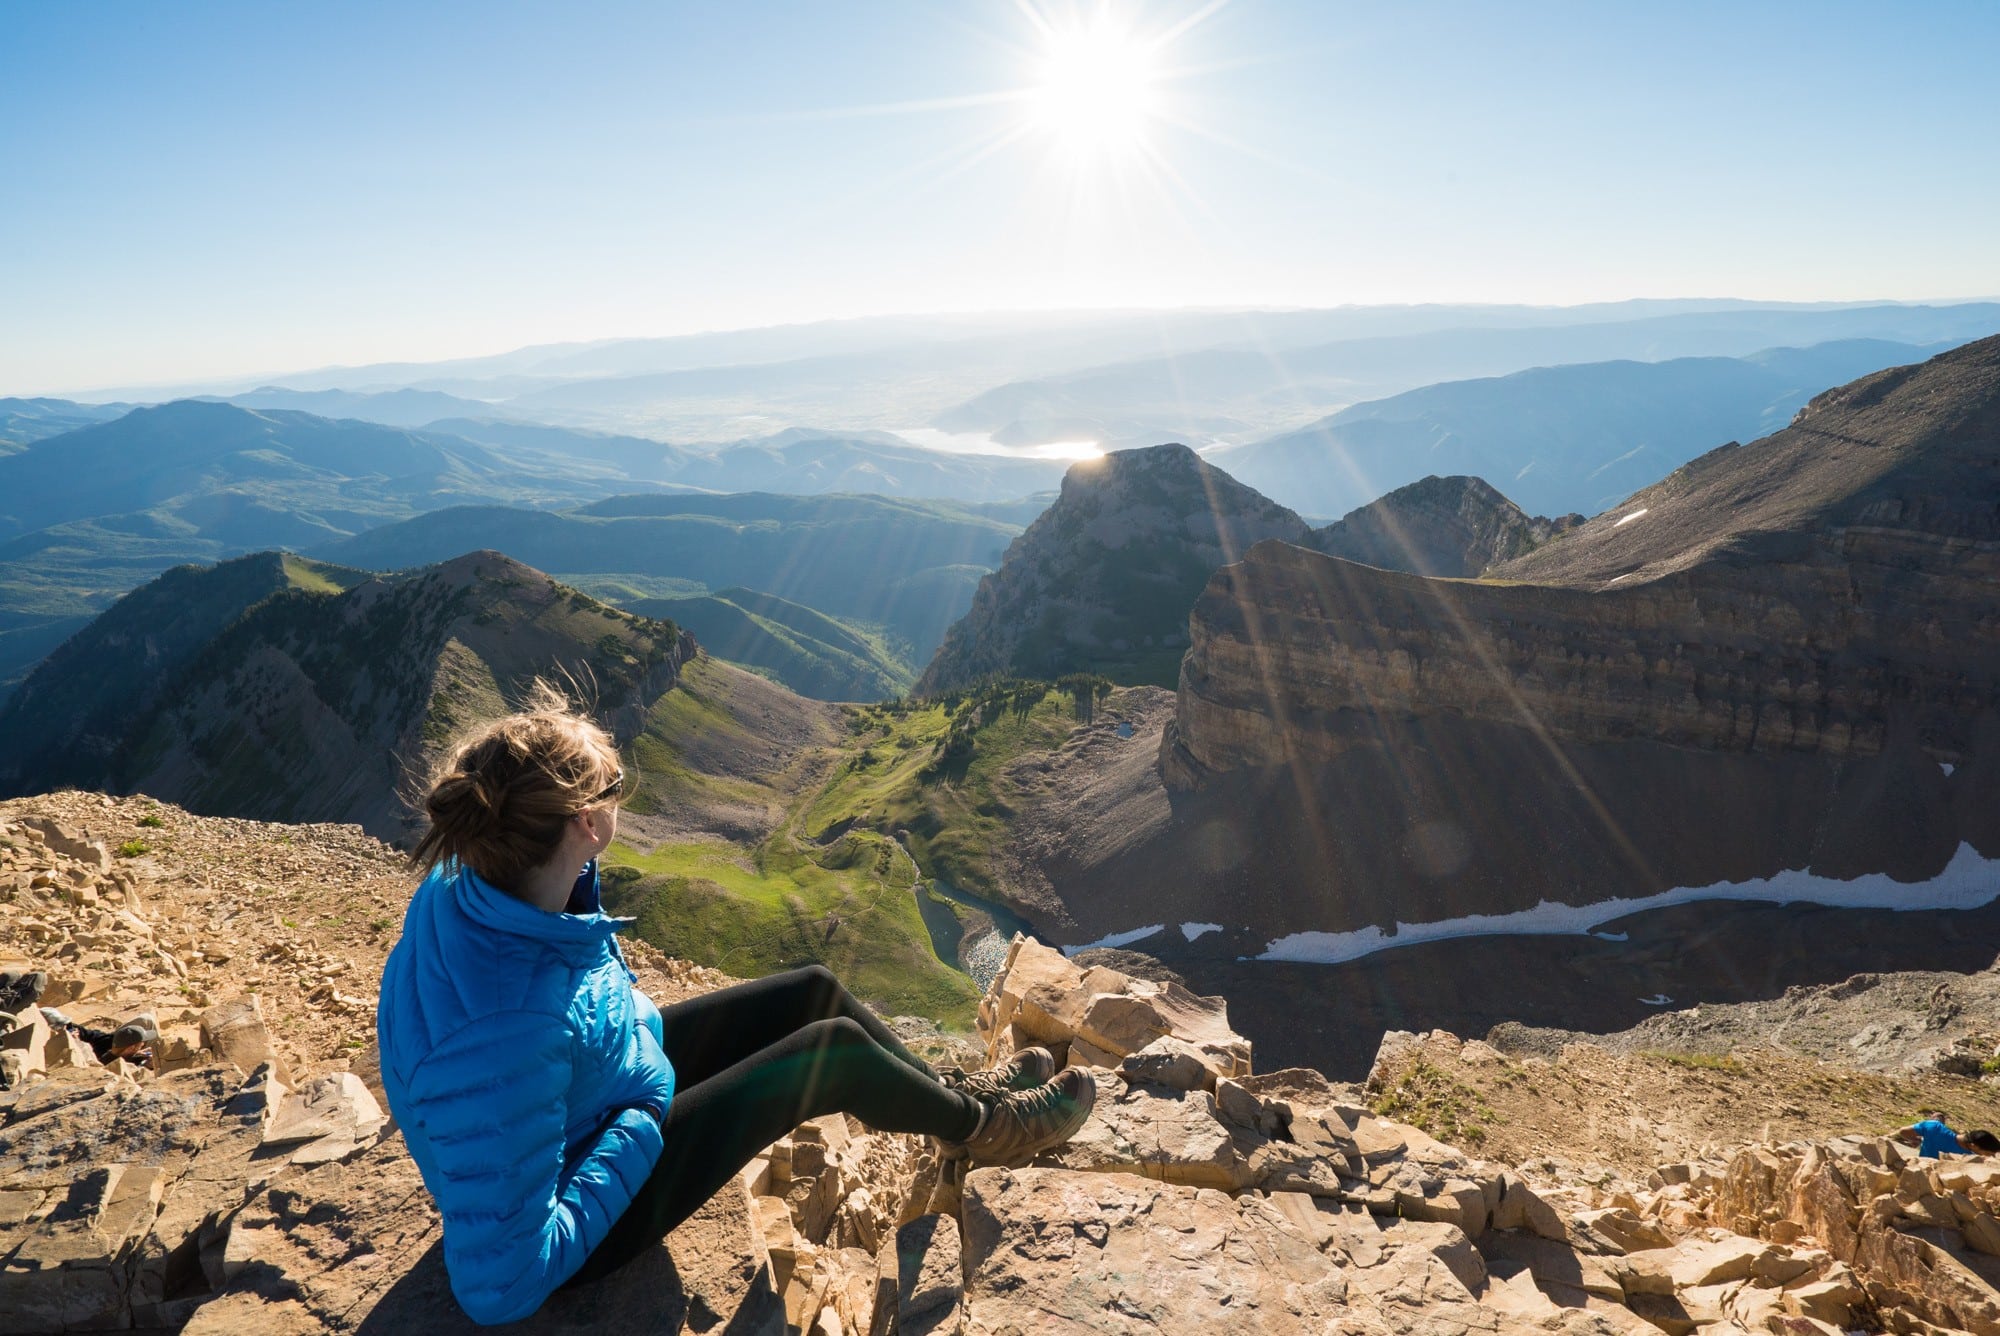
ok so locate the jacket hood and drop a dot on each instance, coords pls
(576, 933)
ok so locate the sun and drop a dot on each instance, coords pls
(1096, 89)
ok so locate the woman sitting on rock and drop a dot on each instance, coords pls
(563, 1122)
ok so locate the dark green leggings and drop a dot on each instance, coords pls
(753, 1062)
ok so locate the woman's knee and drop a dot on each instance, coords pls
(815, 976)
(839, 1032)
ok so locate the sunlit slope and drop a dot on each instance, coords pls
(813, 654)
(719, 864)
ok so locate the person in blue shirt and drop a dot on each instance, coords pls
(563, 1123)
(1933, 1138)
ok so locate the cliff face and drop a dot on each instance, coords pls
(1102, 581)
(1783, 660)
(1438, 526)
(1798, 594)
(1296, 654)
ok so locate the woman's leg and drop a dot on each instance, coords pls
(708, 1034)
(716, 1125)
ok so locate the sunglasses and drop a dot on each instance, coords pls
(611, 790)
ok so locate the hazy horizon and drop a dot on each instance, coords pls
(238, 381)
(232, 192)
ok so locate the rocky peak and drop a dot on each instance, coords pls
(1912, 450)
(307, 701)
(1102, 581)
(1455, 526)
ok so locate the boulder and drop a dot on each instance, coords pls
(338, 1105)
(234, 1030)
(1052, 1251)
(1172, 1062)
(1043, 997)
(930, 1290)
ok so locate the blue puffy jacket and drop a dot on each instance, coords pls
(520, 1064)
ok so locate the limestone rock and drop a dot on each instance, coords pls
(930, 1290)
(337, 1106)
(235, 1031)
(1042, 996)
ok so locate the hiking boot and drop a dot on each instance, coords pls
(1024, 1071)
(1029, 1121)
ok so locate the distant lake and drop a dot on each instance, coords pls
(979, 443)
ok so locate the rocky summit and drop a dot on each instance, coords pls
(1455, 526)
(1102, 580)
(247, 1181)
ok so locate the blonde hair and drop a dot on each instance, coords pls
(500, 797)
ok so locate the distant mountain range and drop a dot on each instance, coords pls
(25, 421)
(90, 512)
(1245, 391)
(1555, 439)
(392, 408)
(1117, 377)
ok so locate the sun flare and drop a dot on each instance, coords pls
(1096, 89)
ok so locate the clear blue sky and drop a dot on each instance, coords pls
(220, 188)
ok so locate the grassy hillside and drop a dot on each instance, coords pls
(937, 772)
(813, 654)
(738, 882)
(825, 877)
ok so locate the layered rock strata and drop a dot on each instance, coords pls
(1785, 656)
(1796, 594)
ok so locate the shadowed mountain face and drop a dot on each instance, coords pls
(72, 719)
(288, 697)
(1779, 662)
(1439, 526)
(1102, 581)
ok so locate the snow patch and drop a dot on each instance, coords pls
(1116, 939)
(1194, 930)
(1624, 520)
(1947, 767)
(1612, 936)
(1967, 882)
(1657, 1000)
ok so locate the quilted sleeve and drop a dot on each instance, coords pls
(518, 1221)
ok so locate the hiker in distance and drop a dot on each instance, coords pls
(564, 1123)
(1933, 1137)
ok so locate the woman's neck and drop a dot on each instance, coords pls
(548, 887)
